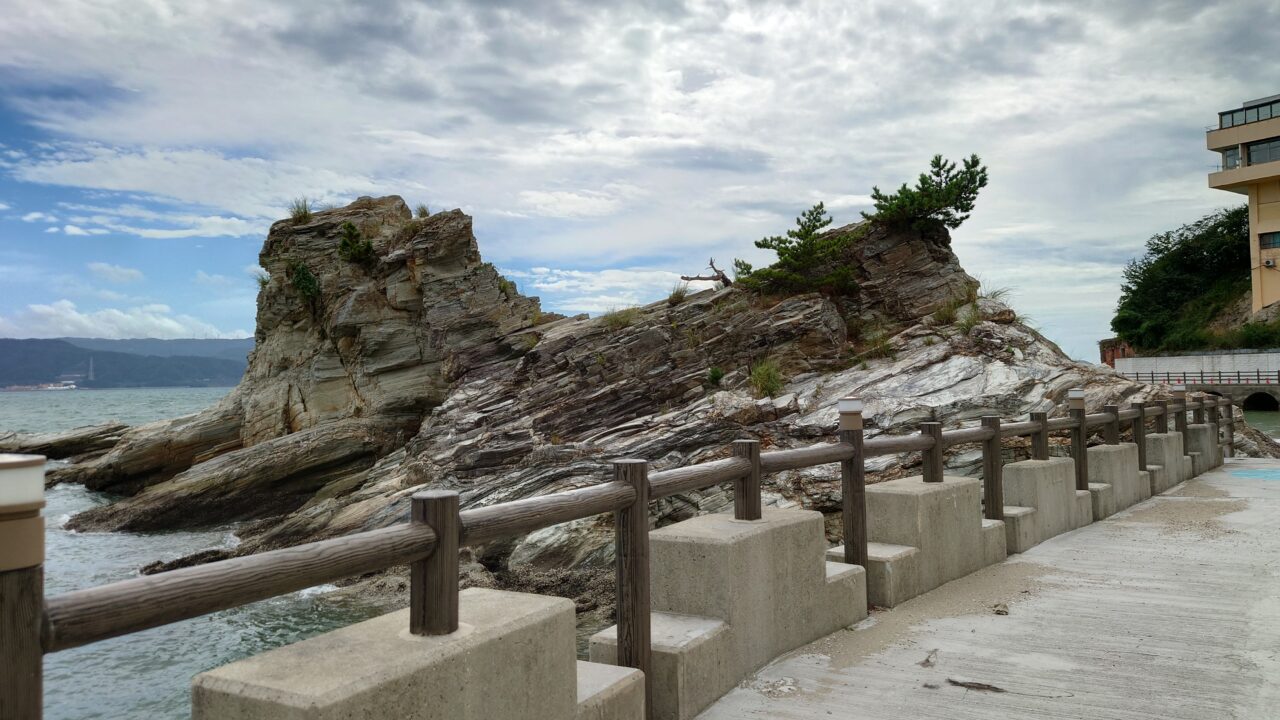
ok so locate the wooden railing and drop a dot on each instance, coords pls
(1213, 377)
(429, 542)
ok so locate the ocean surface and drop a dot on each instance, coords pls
(147, 675)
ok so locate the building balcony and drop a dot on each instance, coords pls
(1226, 138)
(1239, 179)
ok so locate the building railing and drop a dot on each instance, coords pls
(1214, 377)
(32, 625)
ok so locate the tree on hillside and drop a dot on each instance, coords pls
(1186, 277)
(944, 196)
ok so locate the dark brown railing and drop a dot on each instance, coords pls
(32, 625)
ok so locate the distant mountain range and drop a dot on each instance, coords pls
(123, 363)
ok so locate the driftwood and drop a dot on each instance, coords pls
(717, 275)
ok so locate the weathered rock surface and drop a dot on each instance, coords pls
(61, 445)
(427, 369)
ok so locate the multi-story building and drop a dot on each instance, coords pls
(1248, 139)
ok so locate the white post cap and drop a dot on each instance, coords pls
(849, 405)
(21, 482)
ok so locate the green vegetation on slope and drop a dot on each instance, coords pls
(1186, 278)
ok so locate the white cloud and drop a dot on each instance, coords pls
(39, 217)
(595, 291)
(5, 206)
(53, 229)
(115, 273)
(74, 230)
(62, 318)
(213, 280)
(579, 203)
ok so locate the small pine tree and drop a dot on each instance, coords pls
(944, 196)
(807, 260)
(352, 246)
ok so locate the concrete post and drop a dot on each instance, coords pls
(1180, 401)
(1140, 433)
(1197, 415)
(1040, 438)
(1079, 437)
(932, 458)
(853, 483)
(1111, 431)
(21, 585)
(1162, 420)
(746, 489)
(992, 467)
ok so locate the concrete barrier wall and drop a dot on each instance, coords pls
(1203, 439)
(1165, 450)
(730, 596)
(922, 535)
(1116, 468)
(513, 656)
(1041, 501)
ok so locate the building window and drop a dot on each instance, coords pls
(1231, 158)
(1257, 113)
(1264, 151)
(1269, 241)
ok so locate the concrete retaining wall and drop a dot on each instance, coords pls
(1040, 501)
(1165, 450)
(1203, 439)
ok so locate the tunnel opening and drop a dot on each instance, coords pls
(1261, 401)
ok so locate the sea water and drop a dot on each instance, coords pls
(148, 674)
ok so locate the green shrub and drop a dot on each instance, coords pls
(620, 318)
(300, 210)
(507, 287)
(714, 376)
(942, 197)
(354, 247)
(303, 280)
(946, 313)
(422, 211)
(766, 378)
(808, 260)
(678, 293)
(262, 278)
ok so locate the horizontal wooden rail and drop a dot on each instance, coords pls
(967, 435)
(820, 454)
(518, 517)
(697, 477)
(80, 617)
(1019, 429)
(894, 444)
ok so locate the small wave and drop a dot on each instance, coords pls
(317, 590)
(61, 522)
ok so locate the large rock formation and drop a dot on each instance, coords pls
(425, 368)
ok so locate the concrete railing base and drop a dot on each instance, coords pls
(521, 645)
(1165, 450)
(1047, 489)
(730, 596)
(1117, 466)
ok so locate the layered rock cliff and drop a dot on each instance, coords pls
(423, 367)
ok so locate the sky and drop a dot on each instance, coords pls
(603, 148)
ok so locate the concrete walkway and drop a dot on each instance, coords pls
(1170, 609)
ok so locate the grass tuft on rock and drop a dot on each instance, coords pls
(620, 318)
(766, 378)
(300, 210)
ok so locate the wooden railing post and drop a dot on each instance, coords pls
(1162, 420)
(631, 538)
(746, 489)
(1111, 431)
(1079, 437)
(853, 483)
(433, 581)
(1140, 433)
(1040, 438)
(932, 458)
(1180, 400)
(992, 470)
(1197, 415)
(1230, 410)
(21, 586)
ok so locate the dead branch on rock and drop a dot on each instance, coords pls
(717, 275)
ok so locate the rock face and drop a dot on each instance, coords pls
(425, 368)
(83, 441)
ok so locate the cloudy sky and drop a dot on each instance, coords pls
(603, 148)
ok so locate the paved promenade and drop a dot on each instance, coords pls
(1170, 609)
